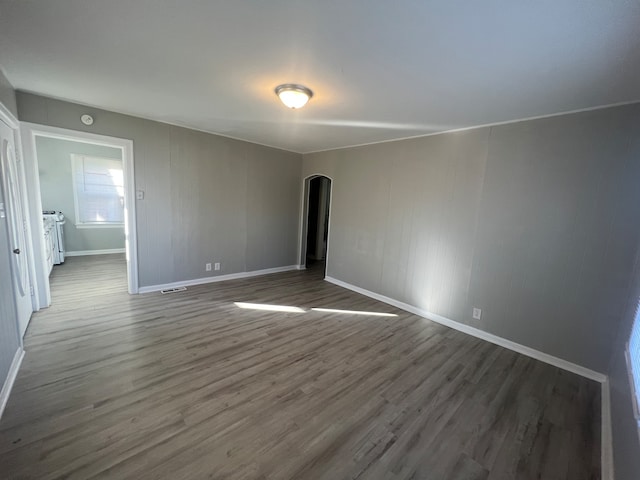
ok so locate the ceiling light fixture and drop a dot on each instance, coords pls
(293, 96)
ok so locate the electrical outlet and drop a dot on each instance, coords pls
(217, 266)
(207, 267)
(477, 313)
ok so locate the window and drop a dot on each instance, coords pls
(633, 359)
(98, 191)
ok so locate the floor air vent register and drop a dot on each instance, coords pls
(173, 290)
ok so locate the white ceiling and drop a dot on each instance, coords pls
(379, 69)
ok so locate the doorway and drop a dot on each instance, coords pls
(81, 158)
(315, 235)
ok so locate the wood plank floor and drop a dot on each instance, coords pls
(189, 386)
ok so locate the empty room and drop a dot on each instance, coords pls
(320, 240)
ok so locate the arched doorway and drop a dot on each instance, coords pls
(315, 235)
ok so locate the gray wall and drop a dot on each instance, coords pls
(207, 198)
(8, 95)
(56, 188)
(533, 222)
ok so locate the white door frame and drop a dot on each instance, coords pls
(304, 219)
(29, 133)
(7, 117)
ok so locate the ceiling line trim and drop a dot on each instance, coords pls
(454, 130)
(164, 122)
(484, 125)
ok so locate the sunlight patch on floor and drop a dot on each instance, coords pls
(354, 312)
(291, 309)
(273, 308)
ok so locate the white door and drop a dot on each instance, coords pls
(15, 212)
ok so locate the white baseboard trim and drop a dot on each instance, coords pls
(301, 267)
(82, 253)
(476, 332)
(606, 449)
(219, 278)
(11, 378)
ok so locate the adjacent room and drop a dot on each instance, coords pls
(320, 240)
(85, 182)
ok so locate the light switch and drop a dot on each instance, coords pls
(139, 194)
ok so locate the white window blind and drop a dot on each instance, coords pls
(633, 358)
(98, 190)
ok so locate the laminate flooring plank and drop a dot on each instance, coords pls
(187, 385)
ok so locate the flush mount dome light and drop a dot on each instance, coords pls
(294, 96)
